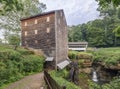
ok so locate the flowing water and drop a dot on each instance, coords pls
(94, 76)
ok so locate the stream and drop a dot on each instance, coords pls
(100, 75)
(94, 76)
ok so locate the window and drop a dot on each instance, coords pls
(61, 14)
(25, 33)
(59, 21)
(36, 41)
(25, 23)
(36, 31)
(48, 30)
(36, 21)
(48, 19)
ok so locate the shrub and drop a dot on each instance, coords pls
(58, 76)
(79, 55)
(114, 84)
(72, 54)
(24, 51)
(110, 56)
(84, 55)
(33, 63)
(15, 64)
(80, 63)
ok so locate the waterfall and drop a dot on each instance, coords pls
(94, 77)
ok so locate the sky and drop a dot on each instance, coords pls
(76, 11)
(1, 34)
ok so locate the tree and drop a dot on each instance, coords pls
(75, 34)
(84, 28)
(96, 37)
(6, 35)
(117, 31)
(10, 21)
(106, 3)
(99, 32)
(9, 5)
(111, 20)
(0, 41)
(14, 40)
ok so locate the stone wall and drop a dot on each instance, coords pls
(39, 33)
(47, 32)
(61, 37)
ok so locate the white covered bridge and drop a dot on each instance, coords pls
(78, 46)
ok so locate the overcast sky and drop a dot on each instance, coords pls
(76, 11)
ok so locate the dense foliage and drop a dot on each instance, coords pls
(114, 84)
(9, 5)
(14, 40)
(15, 64)
(60, 76)
(105, 3)
(79, 55)
(109, 56)
(102, 32)
(10, 20)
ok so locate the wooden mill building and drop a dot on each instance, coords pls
(47, 32)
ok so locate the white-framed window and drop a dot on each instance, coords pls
(26, 33)
(59, 21)
(48, 30)
(36, 21)
(48, 19)
(26, 24)
(36, 31)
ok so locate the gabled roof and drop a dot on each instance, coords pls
(40, 14)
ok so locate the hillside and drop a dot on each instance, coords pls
(15, 64)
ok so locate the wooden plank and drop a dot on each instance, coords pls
(63, 64)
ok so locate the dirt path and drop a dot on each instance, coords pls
(30, 82)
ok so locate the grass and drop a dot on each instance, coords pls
(60, 78)
(4, 86)
(15, 64)
(79, 55)
(110, 56)
(83, 80)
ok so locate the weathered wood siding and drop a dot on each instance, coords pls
(61, 37)
(39, 33)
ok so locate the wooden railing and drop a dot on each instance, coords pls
(51, 83)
